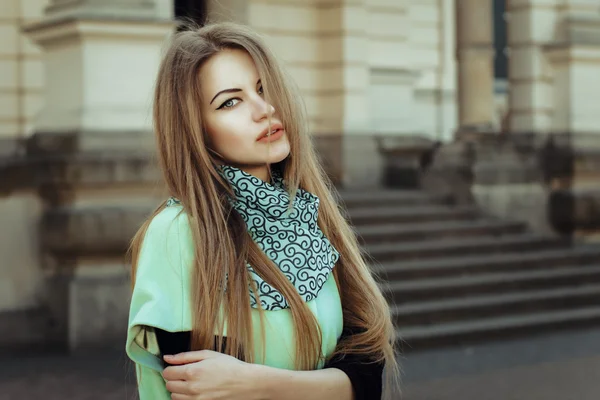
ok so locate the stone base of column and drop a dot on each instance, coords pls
(98, 304)
(94, 200)
(472, 131)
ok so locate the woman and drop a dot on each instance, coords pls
(248, 281)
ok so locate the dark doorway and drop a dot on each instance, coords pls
(190, 10)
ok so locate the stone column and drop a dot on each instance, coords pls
(90, 158)
(345, 97)
(21, 81)
(574, 57)
(227, 10)
(475, 56)
(530, 28)
(101, 59)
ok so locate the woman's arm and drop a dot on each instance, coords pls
(365, 377)
(350, 376)
(272, 381)
(282, 384)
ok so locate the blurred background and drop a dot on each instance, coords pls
(463, 136)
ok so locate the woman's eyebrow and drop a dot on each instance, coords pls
(232, 90)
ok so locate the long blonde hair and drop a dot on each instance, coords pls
(223, 245)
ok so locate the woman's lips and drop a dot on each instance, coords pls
(272, 137)
(270, 131)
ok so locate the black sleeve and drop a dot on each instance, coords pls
(171, 343)
(365, 375)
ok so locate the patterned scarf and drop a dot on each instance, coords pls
(291, 238)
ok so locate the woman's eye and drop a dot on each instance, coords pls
(260, 90)
(229, 103)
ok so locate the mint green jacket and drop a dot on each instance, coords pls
(161, 299)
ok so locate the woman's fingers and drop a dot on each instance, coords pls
(179, 372)
(190, 356)
(179, 387)
(176, 396)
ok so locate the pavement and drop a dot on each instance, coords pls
(556, 366)
(565, 380)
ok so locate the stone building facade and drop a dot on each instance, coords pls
(379, 78)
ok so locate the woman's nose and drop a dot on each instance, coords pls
(262, 109)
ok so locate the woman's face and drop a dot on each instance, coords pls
(235, 114)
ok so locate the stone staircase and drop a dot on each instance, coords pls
(452, 274)
(456, 276)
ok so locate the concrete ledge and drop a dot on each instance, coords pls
(494, 173)
(28, 331)
(70, 233)
(404, 159)
(54, 162)
(98, 307)
(571, 210)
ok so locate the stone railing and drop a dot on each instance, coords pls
(375, 161)
(548, 180)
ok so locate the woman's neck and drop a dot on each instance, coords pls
(259, 171)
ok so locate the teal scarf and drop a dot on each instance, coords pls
(290, 238)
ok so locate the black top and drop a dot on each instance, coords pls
(365, 375)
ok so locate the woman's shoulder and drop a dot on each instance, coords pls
(170, 219)
(169, 232)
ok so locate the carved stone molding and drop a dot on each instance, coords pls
(69, 233)
(54, 162)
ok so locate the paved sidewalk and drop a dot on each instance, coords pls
(99, 376)
(557, 366)
(560, 366)
(564, 380)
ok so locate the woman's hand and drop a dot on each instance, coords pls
(208, 375)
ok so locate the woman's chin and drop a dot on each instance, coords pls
(274, 159)
(277, 153)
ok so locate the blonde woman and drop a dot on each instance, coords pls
(247, 282)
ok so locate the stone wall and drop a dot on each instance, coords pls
(21, 67)
(21, 98)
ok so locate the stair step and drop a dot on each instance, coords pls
(498, 327)
(462, 286)
(379, 233)
(439, 311)
(374, 198)
(482, 263)
(420, 213)
(458, 246)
